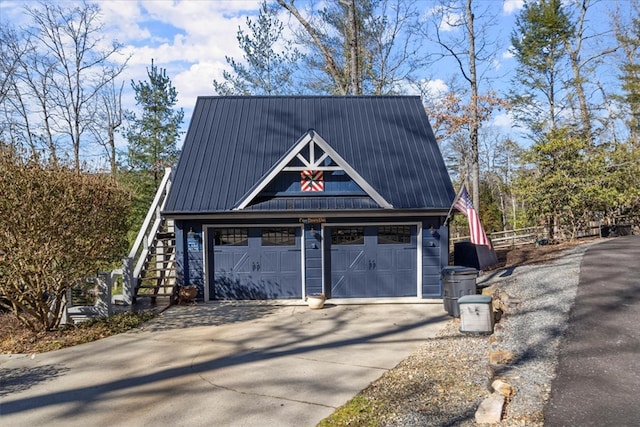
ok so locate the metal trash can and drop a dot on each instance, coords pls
(457, 281)
(476, 314)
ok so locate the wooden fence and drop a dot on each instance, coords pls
(527, 236)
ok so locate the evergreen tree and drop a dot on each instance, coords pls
(629, 39)
(264, 70)
(539, 44)
(153, 135)
(560, 181)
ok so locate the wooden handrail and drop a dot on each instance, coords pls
(154, 210)
(144, 239)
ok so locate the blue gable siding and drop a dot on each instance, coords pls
(433, 239)
(335, 183)
(435, 256)
(313, 258)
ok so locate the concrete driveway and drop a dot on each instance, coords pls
(217, 365)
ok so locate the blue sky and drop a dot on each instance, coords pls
(190, 38)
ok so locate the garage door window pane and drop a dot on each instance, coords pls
(347, 236)
(231, 237)
(394, 234)
(278, 237)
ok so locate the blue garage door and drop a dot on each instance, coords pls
(373, 261)
(256, 263)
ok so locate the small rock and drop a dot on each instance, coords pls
(489, 290)
(503, 388)
(501, 357)
(490, 410)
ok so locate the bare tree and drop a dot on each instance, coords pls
(467, 47)
(583, 67)
(53, 72)
(107, 120)
(10, 52)
(72, 37)
(28, 105)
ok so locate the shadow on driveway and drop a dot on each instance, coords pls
(257, 353)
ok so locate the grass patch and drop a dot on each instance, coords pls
(359, 411)
(15, 338)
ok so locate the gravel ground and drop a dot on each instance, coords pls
(443, 382)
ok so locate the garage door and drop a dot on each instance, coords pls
(373, 261)
(256, 263)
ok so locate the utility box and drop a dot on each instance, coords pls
(457, 281)
(476, 314)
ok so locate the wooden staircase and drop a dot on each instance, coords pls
(150, 269)
(158, 275)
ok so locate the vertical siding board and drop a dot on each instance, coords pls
(194, 256)
(182, 276)
(432, 258)
(313, 261)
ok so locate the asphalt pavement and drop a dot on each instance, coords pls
(598, 381)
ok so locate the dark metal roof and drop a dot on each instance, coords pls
(233, 142)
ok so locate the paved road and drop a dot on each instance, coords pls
(598, 382)
(217, 365)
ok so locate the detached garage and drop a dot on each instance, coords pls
(280, 197)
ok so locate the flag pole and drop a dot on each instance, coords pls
(463, 179)
(454, 203)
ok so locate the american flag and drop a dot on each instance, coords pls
(311, 180)
(464, 204)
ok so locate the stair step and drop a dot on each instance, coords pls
(163, 247)
(154, 278)
(168, 240)
(165, 236)
(155, 270)
(153, 286)
(167, 251)
(158, 295)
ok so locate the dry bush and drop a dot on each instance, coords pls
(57, 226)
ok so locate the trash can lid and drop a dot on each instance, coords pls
(455, 270)
(474, 299)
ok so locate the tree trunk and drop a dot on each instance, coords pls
(356, 88)
(332, 67)
(475, 121)
(574, 59)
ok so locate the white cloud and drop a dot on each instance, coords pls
(512, 6)
(435, 89)
(188, 38)
(503, 120)
(451, 22)
(196, 81)
(446, 20)
(508, 54)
